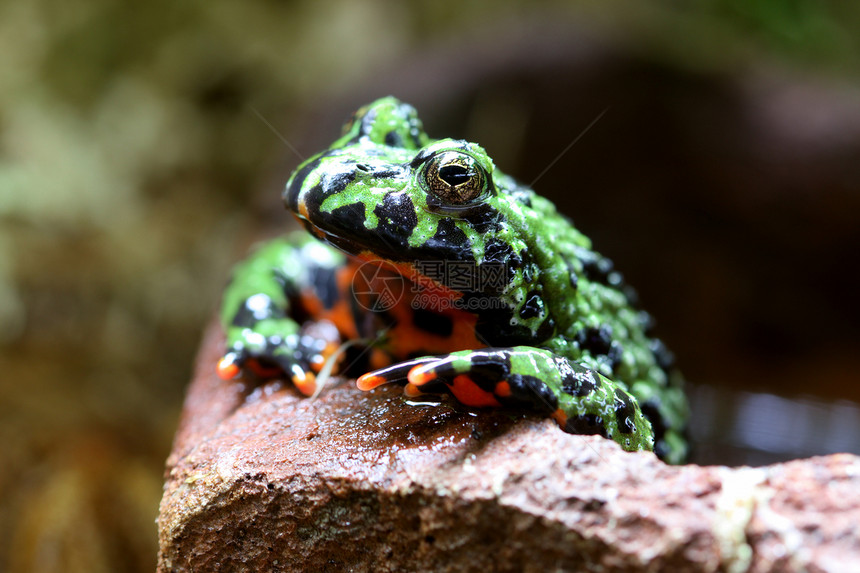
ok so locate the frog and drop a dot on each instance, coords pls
(421, 263)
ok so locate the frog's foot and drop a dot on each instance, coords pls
(579, 399)
(280, 349)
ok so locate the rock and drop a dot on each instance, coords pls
(261, 479)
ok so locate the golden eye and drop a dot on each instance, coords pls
(455, 178)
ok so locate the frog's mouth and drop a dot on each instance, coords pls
(344, 228)
(365, 246)
(384, 258)
(340, 242)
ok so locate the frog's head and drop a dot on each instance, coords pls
(385, 190)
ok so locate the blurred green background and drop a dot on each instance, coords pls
(141, 154)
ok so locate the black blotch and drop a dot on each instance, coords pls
(601, 270)
(647, 322)
(487, 368)
(484, 218)
(579, 384)
(494, 326)
(624, 411)
(596, 268)
(367, 122)
(630, 294)
(353, 212)
(596, 341)
(420, 158)
(244, 318)
(527, 267)
(449, 240)
(385, 173)
(397, 217)
(247, 316)
(342, 218)
(661, 449)
(546, 329)
(651, 410)
(533, 306)
(533, 391)
(499, 253)
(571, 272)
(324, 281)
(393, 139)
(289, 287)
(492, 358)
(664, 357)
(614, 354)
(586, 424)
(415, 131)
(336, 182)
(437, 386)
(432, 322)
(291, 193)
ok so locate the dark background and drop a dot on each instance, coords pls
(141, 154)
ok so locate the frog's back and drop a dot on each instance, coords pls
(598, 323)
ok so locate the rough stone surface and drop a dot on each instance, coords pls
(261, 479)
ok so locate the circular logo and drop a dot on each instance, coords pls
(377, 286)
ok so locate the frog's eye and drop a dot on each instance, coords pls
(455, 178)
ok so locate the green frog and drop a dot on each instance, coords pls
(425, 265)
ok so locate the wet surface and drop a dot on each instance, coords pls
(272, 424)
(366, 480)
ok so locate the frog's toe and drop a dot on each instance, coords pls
(319, 342)
(287, 365)
(304, 381)
(395, 373)
(230, 366)
(240, 360)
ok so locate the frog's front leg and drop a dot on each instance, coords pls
(284, 279)
(581, 400)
